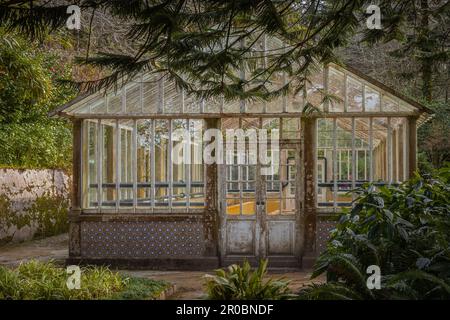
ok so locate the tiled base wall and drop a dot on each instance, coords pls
(324, 226)
(146, 239)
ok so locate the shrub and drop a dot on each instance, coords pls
(404, 230)
(45, 281)
(241, 283)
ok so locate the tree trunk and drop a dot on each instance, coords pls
(427, 63)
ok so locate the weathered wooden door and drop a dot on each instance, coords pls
(260, 210)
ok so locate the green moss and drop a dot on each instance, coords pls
(50, 214)
(141, 289)
(5, 212)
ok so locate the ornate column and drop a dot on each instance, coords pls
(75, 209)
(412, 146)
(309, 186)
(210, 222)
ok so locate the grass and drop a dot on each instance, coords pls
(36, 280)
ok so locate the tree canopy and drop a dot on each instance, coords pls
(213, 47)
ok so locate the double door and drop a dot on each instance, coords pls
(260, 208)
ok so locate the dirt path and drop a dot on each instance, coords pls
(51, 248)
(189, 284)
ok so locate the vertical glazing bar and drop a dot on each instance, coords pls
(161, 95)
(118, 164)
(123, 97)
(405, 150)
(242, 76)
(99, 157)
(381, 101)
(264, 65)
(152, 164)
(363, 97)
(84, 150)
(187, 161)
(326, 71)
(183, 100)
(106, 103)
(365, 165)
(222, 102)
(397, 154)
(285, 97)
(202, 105)
(345, 92)
(239, 166)
(389, 150)
(134, 163)
(169, 164)
(335, 175)
(141, 93)
(353, 158)
(371, 149)
(85, 156)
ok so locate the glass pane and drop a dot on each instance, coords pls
(372, 100)
(108, 164)
(344, 159)
(248, 206)
(336, 88)
(133, 96)
(161, 162)
(325, 168)
(126, 165)
(91, 164)
(314, 89)
(233, 206)
(291, 128)
(99, 107)
(362, 155)
(273, 206)
(288, 206)
(172, 97)
(144, 174)
(389, 104)
(354, 95)
(379, 149)
(296, 102)
(399, 142)
(213, 105)
(151, 93)
(197, 194)
(115, 102)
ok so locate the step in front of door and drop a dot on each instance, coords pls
(274, 262)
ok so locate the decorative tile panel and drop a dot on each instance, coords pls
(324, 227)
(156, 239)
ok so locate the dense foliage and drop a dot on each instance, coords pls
(434, 139)
(29, 88)
(404, 230)
(243, 283)
(45, 281)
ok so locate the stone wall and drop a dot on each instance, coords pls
(33, 203)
